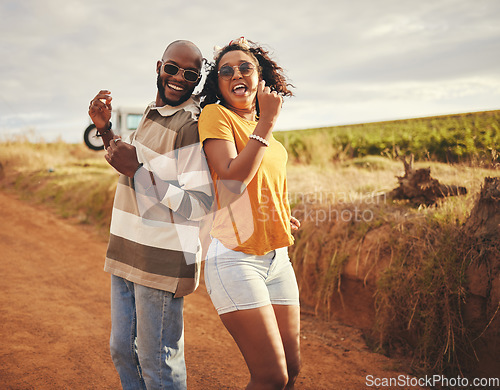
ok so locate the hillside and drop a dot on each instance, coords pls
(447, 138)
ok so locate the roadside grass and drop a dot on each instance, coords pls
(365, 177)
(420, 253)
(72, 180)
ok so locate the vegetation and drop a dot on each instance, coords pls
(450, 138)
(73, 180)
(414, 260)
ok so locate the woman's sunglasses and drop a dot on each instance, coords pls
(189, 75)
(245, 69)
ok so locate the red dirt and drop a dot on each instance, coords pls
(55, 319)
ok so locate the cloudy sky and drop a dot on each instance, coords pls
(351, 61)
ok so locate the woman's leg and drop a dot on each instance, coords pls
(288, 318)
(257, 335)
(284, 295)
(236, 283)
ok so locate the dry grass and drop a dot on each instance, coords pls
(75, 181)
(421, 290)
(364, 177)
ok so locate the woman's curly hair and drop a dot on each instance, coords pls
(268, 70)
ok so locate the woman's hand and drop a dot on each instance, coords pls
(294, 223)
(269, 103)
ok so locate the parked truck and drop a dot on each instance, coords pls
(125, 120)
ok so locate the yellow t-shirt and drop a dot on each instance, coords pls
(256, 221)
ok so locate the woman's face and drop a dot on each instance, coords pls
(238, 91)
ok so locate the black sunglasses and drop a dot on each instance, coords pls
(189, 75)
(245, 69)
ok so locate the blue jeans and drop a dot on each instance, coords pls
(147, 336)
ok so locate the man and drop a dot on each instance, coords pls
(154, 253)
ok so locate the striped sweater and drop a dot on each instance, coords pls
(155, 220)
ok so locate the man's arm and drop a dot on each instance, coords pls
(190, 193)
(100, 113)
(121, 156)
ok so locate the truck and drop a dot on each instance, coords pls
(125, 120)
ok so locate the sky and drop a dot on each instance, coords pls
(352, 61)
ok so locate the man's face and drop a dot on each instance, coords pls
(175, 89)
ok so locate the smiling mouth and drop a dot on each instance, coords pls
(240, 89)
(175, 87)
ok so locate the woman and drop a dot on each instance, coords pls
(248, 273)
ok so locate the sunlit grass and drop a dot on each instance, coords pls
(421, 289)
(70, 178)
(450, 138)
(369, 176)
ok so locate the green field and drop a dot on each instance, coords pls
(450, 138)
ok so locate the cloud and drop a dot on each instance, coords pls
(351, 61)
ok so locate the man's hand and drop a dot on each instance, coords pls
(122, 156)
(100, 110)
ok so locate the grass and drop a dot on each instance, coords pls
(419, 297)
(421, 254)
(73, 180)
(364, 177)
(448, 138)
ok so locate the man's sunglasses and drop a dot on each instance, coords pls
(245, 69)
(189, 75)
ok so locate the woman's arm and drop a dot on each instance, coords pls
(231, 166)
(222, 154)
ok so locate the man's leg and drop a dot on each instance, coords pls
(160, 338)
(123, 334)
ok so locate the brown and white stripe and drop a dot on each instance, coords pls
(154, 241)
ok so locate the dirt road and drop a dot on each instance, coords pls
(54, 319)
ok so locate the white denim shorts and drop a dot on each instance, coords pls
(238, 281)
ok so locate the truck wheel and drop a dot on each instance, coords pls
(91, 139)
